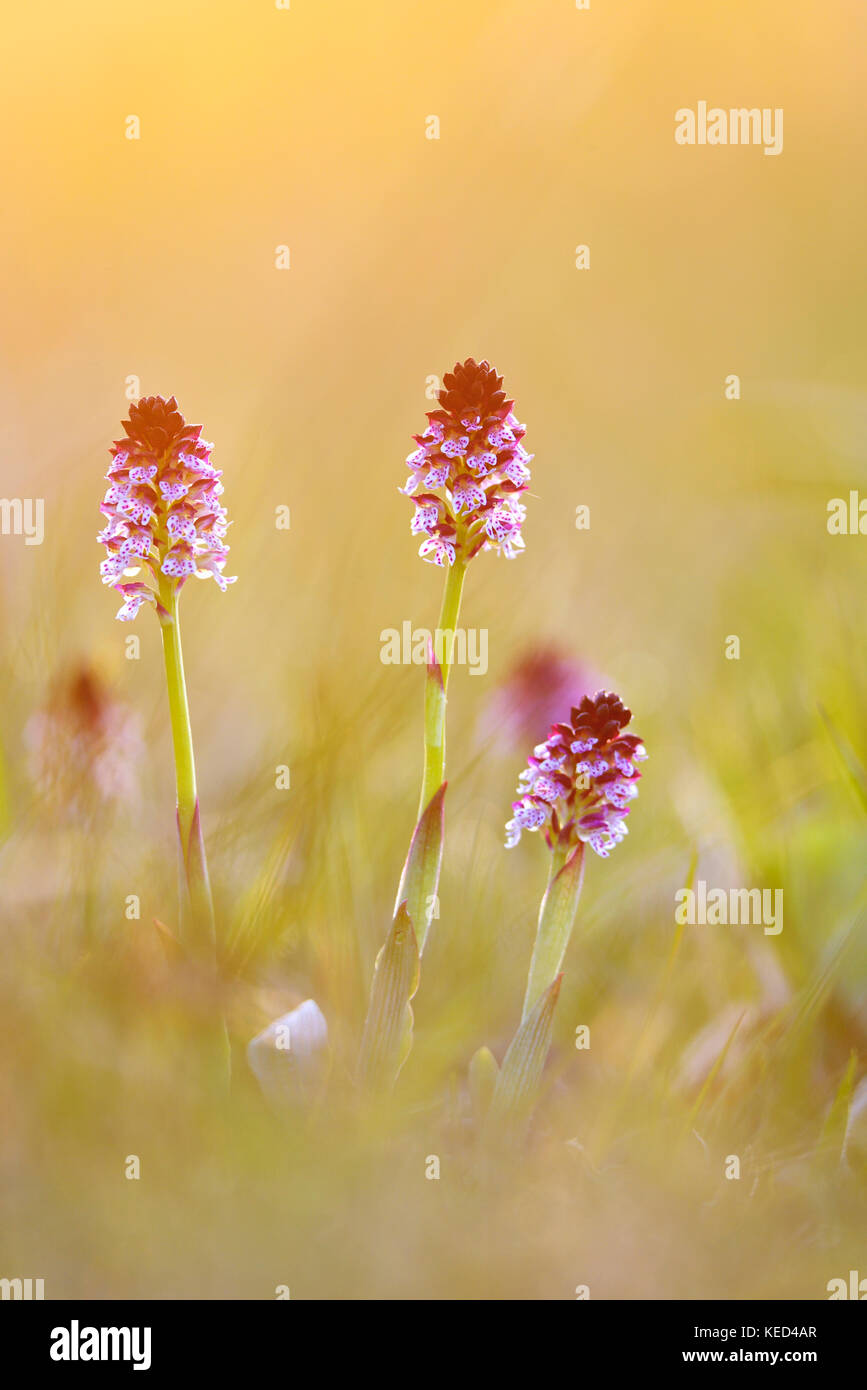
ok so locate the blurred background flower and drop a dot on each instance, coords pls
(85, 747)
(532, 694)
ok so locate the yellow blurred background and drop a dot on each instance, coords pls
(154, 258)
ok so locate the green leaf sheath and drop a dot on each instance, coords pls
(387, 1037)
(421, 872)
(387, 1034)
(518, 1080)
(556, 919)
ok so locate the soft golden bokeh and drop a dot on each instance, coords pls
(156, 258)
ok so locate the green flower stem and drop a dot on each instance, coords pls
(387, 1038)
(556, 920)
(202, 931)
(436, 688)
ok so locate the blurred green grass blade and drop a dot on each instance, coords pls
(611, 1116)
(712, 1075)
(852, 765)
(833, 1136)
(255, 926)
(677, 940)
(813, 997)
(665, 979)
(518, 1081)
(387, 1036)
(419, 881)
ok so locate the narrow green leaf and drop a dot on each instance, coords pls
(518, 1081)
(387, 1036)
(556, 919)
(420, 879)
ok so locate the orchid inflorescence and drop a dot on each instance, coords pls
(576, 789)
(163, 506)
(469, 469)
(467, 473)
(164, 513)
(580, 781)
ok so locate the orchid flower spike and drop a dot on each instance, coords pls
(162, 507)
(578, 784)
(468, 470)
